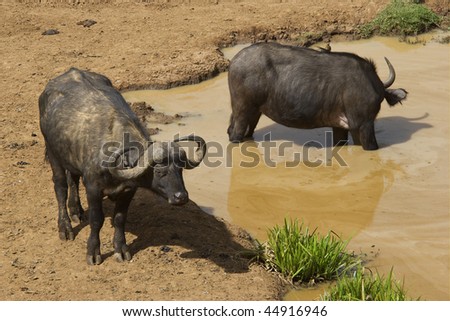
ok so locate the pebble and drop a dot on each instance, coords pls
(50, 32)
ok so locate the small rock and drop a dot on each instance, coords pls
(50, 32)
(16, 146)
(22, 163)
(165, 249)
(87, 23)
(15, 262)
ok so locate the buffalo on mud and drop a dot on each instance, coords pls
(91, 133)
(305, 88)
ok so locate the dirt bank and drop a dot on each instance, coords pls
(179, 253)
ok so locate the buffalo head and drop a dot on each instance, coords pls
(162, 164)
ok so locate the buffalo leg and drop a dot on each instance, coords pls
(367, 136)
(356, 136)
(231, 126)
(60, 184)
(75, 209)
(238, 128)
(96, 219)
(121, 251)
(340, 136)
(252, 124)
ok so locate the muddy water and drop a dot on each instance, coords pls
(393, 203)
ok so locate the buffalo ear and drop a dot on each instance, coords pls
(394, 96)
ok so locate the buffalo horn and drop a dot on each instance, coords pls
(391, 78)
(155, 154)
(199, 153)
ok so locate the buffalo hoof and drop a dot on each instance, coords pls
(371, 147)
(78, 218)
(77, 215)
(123, 254)
(66, 234)
(94, 259)
(121, 257)
(236, 138)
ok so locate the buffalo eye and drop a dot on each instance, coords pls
(160, 171)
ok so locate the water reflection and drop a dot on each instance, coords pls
(339, 198)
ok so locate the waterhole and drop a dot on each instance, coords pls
(393, 203)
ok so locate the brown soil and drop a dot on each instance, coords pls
(147, 114)
(179, 253)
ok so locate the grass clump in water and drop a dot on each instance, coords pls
(301, 255)
(403, 18)
(361, 286)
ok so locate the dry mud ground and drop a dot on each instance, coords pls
(179, 253)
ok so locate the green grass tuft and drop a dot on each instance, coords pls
(300, 255)
(303, 256)
(402, 18)
(362, 286)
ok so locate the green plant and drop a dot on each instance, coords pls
(304, 256)
(403, 18)
(362, 286)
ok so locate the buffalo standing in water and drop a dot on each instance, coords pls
(304, 88)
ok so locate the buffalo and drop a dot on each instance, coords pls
(91, 133)
(305, 88)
